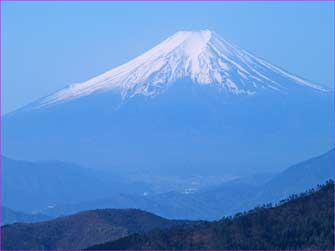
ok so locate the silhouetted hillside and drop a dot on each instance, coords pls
(81, 230)
(303, 222)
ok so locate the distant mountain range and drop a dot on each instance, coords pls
(305, 222)
(82, 230)
(226, 199)
(10, 216)
(194, 104)
(31, 186)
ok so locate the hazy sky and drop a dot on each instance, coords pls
(48, 45)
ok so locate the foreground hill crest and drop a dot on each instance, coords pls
(201, 56)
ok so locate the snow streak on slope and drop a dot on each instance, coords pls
(201, 56)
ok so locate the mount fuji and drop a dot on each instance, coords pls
(193, 104)
(202, 56)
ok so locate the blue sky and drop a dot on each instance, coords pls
(46, 46)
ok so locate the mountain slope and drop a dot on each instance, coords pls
(300, 177)
(305, 222)
(295, 179)
(10, 216)
(81, 230)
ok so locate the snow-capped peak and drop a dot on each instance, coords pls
(202, 56)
